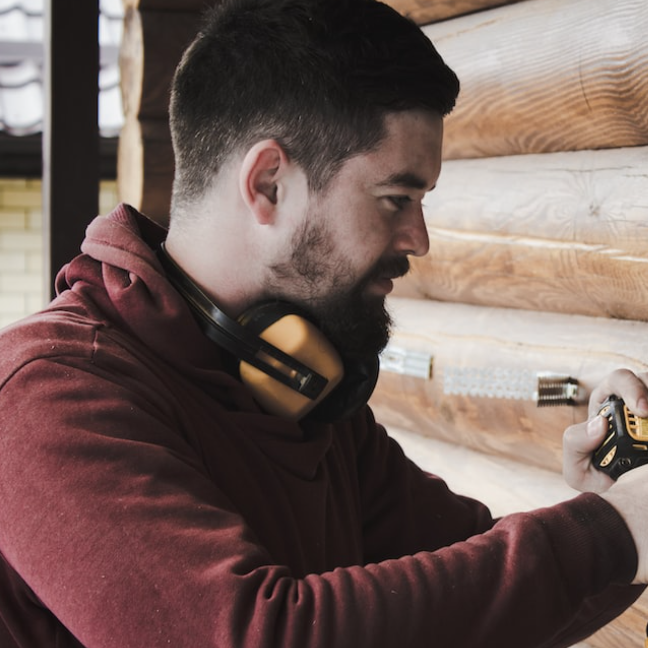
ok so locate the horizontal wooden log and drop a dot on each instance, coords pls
(629, 629)
(562, 232)
(423, 12)
(151, 48)
(480, 391)
(176, 6)
(547, 75)
(506, 487)
(145, 167)
(420, 11)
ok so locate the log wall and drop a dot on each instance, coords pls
(538, 226)
(547, 75)
(155, 35)
(562, 232)
(538, 234)
(485, 362)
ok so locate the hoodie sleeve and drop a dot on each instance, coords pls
(109, 518)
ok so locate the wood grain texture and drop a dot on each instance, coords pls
(151, 49)
(152, 46)
(423, 12)
(478, 339)
(178, 6)
(508, 487)
(504, 485)
(563, 232)
(547, 75)
(145, 167)
(420, 11)
(629, 629)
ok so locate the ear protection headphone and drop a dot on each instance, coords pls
(288, 364)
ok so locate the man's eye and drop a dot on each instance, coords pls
(400, 202)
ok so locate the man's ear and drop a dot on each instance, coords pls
(260, 175)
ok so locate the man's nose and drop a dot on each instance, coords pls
(413, 238)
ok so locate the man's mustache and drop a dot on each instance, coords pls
(390, 268)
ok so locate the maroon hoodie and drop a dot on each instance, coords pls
(145, 500)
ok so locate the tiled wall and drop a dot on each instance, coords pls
(21, 269)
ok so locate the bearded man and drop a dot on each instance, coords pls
(187, 457)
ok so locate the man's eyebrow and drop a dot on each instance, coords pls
(406, 179)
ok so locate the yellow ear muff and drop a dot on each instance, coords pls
(302, 340)
(283, 358)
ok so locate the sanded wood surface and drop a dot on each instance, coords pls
(151, 49)
(563, 232)
(497, 347)
(547, 75)
(507, 487)
(420, 11)
(145, 167)
(628, 630)
(423, 12)
(168, 5)
(152, 45)
(537, 76)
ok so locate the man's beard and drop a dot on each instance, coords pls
(358, 325)
(356, 322)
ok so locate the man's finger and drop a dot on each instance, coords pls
(626, 385)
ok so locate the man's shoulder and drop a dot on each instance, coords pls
(51, 333)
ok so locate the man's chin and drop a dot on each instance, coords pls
(360, 331)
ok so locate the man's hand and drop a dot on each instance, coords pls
(629, 495)
(579, 441)
(631, 387)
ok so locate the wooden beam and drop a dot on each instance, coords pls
(145, 167)
(71, 130)
(562, 232)
(152, 45)
(542, 76)
(420, 11)
(548, 86)
(168, 5)
(504, 485)
(484, 364)
(423, 12)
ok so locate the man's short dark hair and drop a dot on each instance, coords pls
(318, 76)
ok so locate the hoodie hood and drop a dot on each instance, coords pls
(120, 275)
